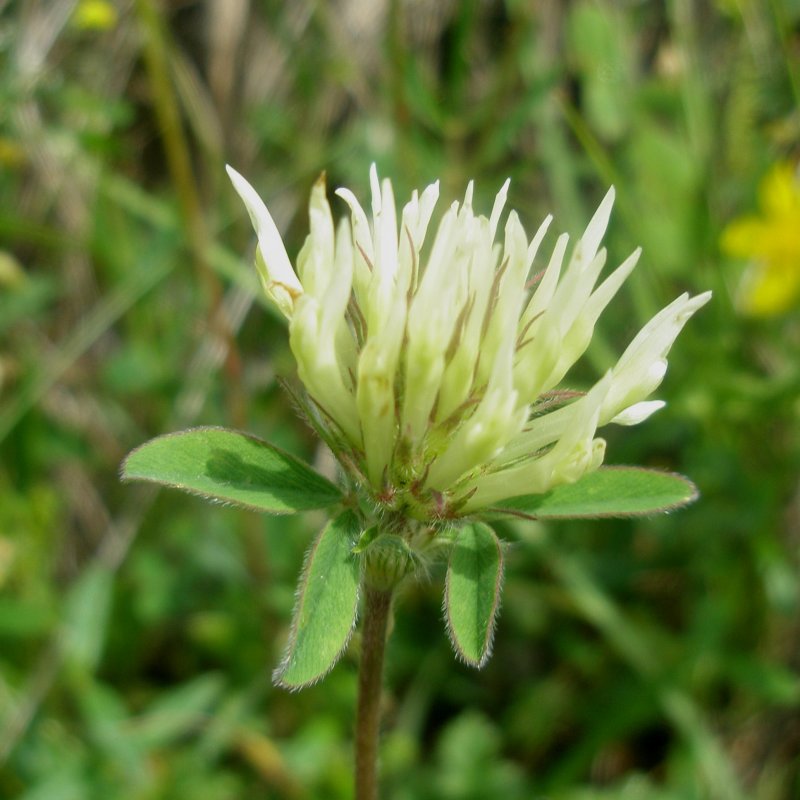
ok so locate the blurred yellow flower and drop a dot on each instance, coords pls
(770, 241)
(94, 15)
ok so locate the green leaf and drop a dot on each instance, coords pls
(327, 603)
(598, 42)
(86, 613)
(233, 467)
(607, 492)
(176, 713)
(472, 592)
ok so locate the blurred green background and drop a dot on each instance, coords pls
(655, 659)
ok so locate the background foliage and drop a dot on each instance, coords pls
(650, 660)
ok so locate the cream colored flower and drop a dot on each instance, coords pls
(435, 360)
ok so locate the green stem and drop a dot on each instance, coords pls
(167, 109)
(373, 645)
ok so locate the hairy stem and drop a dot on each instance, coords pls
(373, 645)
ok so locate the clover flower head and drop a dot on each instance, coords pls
(435, 354)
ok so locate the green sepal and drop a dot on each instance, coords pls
(606, 492)
(387, 560)
(232, 467)
(366, 539)
(472, 592)
(326, 608)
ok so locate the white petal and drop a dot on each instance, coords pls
(375, 188)
(375, 400)
(314, 350)
(316, 269)
(386, 235)
(605, 292)
(574, 289)
(538, 434)
(544, 292)
(658, 335)
(361, 232)
(656, 371)
(338, 293)
(575, 453)
(276, 260)
(427, 202)
(468, 195)
(499, 341)
(479, 439)
(642, 366)
(364, 255)
(533, 247)
(596, 228)
(437, 270)
(638, 412)
(497, 209)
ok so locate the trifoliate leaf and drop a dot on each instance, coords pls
(472, 592)
(233, 467)
(327, 602)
